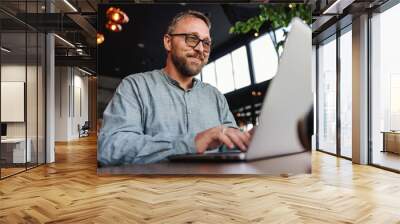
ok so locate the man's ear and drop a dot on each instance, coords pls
(167, 42)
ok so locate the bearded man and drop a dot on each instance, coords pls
(167, 111)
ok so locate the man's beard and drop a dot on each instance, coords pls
(182, 64)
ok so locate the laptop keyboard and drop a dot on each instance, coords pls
(223, 149)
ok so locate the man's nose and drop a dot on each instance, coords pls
(199, 47)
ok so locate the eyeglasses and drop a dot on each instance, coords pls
(192, 40)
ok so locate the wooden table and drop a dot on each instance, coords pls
(284, 165)
(391, 141)
(13, 150)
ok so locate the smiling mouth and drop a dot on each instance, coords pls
(196, 59)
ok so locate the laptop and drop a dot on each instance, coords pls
(287, 101)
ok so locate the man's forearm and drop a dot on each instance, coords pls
(130, 147)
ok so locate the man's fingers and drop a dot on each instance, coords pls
(237, 139)
(248, 135)
(245, 137)
(226, 140)
(251, 131)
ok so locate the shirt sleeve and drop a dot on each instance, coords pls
(122, 140)
(226, 118)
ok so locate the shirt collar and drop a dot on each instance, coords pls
(176, 83)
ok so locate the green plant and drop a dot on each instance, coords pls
(276, 16)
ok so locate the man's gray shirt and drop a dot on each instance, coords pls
(150, 117)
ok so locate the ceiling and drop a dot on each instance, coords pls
(139, 46)
(124, 55)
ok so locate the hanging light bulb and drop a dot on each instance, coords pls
(117, 15)
(114, 27)
(99, 38)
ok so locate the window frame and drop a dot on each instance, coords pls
(333, 37)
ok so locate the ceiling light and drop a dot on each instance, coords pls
(117, 15)
(99, 38)
(79, 51)
(70, 5)
(141, 45)
(78, 44)
(338, 6)
(113, 26)
(64, 40)
(5, 50)
(329, 9)
(84, 71)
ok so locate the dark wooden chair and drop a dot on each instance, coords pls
(84, 129)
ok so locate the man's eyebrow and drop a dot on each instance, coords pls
(197, 34)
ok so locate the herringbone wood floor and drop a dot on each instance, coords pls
(69, 191)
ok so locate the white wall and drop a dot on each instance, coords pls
(61, 103)
(33, 126)
(79, 117)
(70, 83)
(15, 72)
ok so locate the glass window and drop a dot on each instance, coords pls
(31, 100)
(241, 67)
(327, 96)
(265, 59)
(15, 155)
(22, 77)
(208, 74)
(198, 76)
(395, 102)
(280, 35)
(346, 94)
(41, 79)
(229, 72)
(385, 89)
(224, 72)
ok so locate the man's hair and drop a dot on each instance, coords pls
(188, 13)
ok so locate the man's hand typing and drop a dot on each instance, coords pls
(215, 137)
